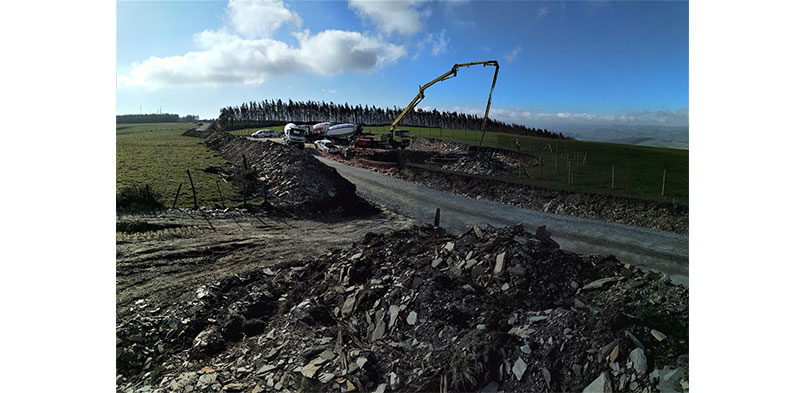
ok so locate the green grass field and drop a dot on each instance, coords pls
(638, 169)
(158, 155)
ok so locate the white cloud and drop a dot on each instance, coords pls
(247, 55)
(512, 55)
(260, 18)
(230, 59)
(439, 43)
(390, 16)
(565, 120)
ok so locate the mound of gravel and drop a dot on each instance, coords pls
(495, 309)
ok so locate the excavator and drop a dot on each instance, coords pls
(401, 138)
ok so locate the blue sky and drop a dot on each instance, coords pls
(564, 65)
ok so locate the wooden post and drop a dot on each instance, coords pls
(613, 177)
(245, 167)
(192, 187)
(663, 183)
(569, 172)
(436, 219)
(177, 196)
(224, 205)
(555, 163)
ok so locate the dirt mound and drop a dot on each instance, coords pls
(287, 178)
(498, 309)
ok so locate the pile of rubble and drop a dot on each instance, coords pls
(485, 163)
(289, 179)
(427, 144)
(495, 309)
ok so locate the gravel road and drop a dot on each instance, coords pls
(664, 251)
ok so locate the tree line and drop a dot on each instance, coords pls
(276, 112)
(156, 118)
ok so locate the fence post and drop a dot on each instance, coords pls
(177, 196)
(192, 187)
(569, 171)
(663, 183)
(224, 205)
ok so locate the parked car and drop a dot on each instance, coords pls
(266, 133)
(326, 146)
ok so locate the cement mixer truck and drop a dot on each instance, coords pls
(294, 136)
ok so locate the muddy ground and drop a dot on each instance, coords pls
(161, 255)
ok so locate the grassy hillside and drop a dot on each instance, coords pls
(158, 155)
(638, 169)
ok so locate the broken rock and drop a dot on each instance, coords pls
(599, 385)
(519, 368)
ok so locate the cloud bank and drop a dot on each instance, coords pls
(248, 55)
(564, 121)
(389, 17)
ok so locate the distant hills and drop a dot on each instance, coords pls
(656, 136)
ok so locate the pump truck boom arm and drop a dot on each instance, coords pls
(448, 75)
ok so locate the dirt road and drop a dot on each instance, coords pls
(664, 251)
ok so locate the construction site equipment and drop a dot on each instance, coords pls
(399, 137)
(294, 135)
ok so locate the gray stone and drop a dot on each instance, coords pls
(361, 361)
(449, 246)
(519, 368)
(234, 387)
(499, 263)
(638, 359)
(436, 262)
(412, 318)
(393, 311)
(525, 349)
(394, 381)
(381, 388)
(600, 283)
(658, 335)
(599, 385)
(577, 370)
(633, 386)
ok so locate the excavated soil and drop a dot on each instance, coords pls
(494, 309)
(288, 179)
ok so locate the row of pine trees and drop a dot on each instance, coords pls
(275, 112)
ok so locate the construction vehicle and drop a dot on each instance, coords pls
(294, 135)
(402, 138)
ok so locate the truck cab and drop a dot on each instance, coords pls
(294, 136)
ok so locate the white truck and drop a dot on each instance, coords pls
(294, 136)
